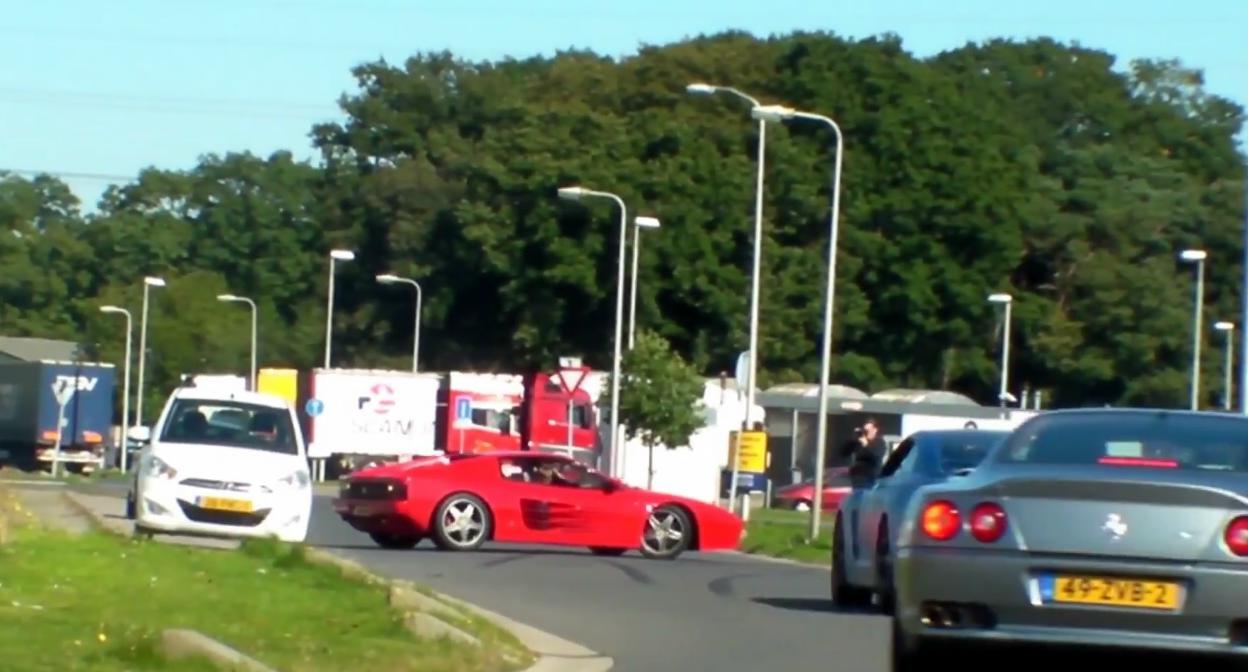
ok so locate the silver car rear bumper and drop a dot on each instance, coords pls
(997, 596)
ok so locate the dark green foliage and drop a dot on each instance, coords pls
(1034, 168)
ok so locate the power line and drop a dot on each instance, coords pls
(67, 175)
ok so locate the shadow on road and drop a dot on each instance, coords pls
(811, 604)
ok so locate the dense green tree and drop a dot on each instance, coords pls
(1045, 170)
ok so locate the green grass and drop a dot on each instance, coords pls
(98, 602)
(782, 533)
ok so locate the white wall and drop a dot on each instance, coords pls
(692, 471)
(913, 422)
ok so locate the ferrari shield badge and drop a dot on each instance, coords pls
(1115, 526)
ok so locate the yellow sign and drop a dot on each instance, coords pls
(281, 382)
(753, 451)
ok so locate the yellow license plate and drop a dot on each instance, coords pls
(1116, 592)
(224, 504)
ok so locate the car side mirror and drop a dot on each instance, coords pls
(608, 485)
(139, 434)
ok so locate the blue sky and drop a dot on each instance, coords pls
(107, 88)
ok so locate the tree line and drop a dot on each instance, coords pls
(1034, 168)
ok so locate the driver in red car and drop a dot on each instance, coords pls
(548, 473)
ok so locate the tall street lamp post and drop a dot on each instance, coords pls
(125, 388)
(390, 279)
(231, 298)
(334, 257)
(1198, 257)
(1227, 328)
(1004, 395)
(148, 283)
(777, 113)
(639, 223)
(756, 270)
(577, 193)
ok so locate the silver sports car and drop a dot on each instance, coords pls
(1107, 527)
(867, 520)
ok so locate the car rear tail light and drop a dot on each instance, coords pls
(941, 520)
(1138, 462)
(988, 522)
(1236, 536)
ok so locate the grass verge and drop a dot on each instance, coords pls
(98, 602)
(781, 533)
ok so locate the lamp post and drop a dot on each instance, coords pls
(125, 389)
(577, 193)
(1004, 395)
(756, 271)
(390, 279)
(254, 318)
(777, 113)
(1227, 328)
(639, 223)
(1197, 256)
(148, 283)
(334, 257)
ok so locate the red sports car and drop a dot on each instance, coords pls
(800, 496)
(462, 501)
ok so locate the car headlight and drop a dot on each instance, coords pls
(296, 479)
(158, 468)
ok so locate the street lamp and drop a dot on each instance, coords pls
(756, 271)
(777, 113)
(1197, 256)
(390, 279)
(576, 194)
(639, 223)
(125, 389)
(334, 257)
(254, 315)
(1227, 328)
(148, 283)
(1008, 300)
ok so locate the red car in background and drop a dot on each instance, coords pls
(460, 501)
(800, 496)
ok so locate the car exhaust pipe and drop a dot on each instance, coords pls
(953, 618)
(932, 615)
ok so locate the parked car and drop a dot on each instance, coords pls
(222, 463)
(872, 514)
(800, 496)
(1118, 528)
(461, 501)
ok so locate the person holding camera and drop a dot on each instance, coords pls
(867, 449)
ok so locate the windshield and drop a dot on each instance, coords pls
(230, 423)
(1145, 439)
(966, 451)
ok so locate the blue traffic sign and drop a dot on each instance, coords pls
(314, 407)
(463, 408)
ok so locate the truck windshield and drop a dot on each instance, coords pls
(230, 423)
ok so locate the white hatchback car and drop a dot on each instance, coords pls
(225, 464)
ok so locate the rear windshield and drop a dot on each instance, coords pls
(966, 451)
(1160, 439)
(230, 423)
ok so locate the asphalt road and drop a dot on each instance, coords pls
(703, 611)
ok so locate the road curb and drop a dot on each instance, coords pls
(100, 522)
(554, 653)
(178, 643)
